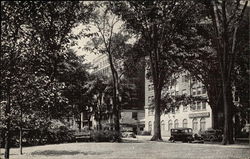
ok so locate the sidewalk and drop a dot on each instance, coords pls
(147, 138)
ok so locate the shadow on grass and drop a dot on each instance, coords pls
(64, 152)
(131, 141)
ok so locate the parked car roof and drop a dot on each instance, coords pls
(180, 128)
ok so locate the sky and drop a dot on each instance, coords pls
(79, 48)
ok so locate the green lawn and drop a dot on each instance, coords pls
(133, 149)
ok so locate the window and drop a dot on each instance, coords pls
(236, 96)
(195, 124)
(150, 112)
(150, 87)
(198, 90)
(193, 106)
(173, 110)
(203, 105)
(184, 91)
(172, 93)
(194, 81)
(186, 78)
(149, 126)
(203, 124)
(183, 78)
(134, 115)
(203, 90)
(170, 125)
(176, 124)
(185, 123)
(193, 91)
(177, 109)
(150, 99)
(162, 125)
(198, 105)
(185, 108)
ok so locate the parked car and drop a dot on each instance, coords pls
(181, 134)
(128, 134)
(198, 139)
(212, 135)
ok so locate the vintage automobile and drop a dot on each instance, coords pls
(211, 135)
(181, 134)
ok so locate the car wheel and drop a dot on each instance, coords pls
(212, 139)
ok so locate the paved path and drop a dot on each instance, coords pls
(133, 149)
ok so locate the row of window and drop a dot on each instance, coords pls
(195, 91)
(105, 71)
(184, 124)
(197, 106)
(198, 90)
(103, 63)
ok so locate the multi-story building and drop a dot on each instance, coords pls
(132, 113)
(196, 116)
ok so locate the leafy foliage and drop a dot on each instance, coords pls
(35, 37)
(161, 27)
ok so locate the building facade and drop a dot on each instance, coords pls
(196, 116)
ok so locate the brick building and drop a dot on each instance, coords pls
(198, 116)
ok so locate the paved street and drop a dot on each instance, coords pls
(133, 149)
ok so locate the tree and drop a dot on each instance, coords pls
(200, 60)
(97, 91)
(34, 36)
(161, 26)
(111, 41)
(226, 17)
(73, 73)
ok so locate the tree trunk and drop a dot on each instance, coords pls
(7, 133)
(100, 121)
(21, 131)
(231, 113)
(80, 122)
(115, 96)
(228, 126)
(7, 141)
(157, 120)
(215, 124)
(116, 118)
(21, 140)
(89, 122)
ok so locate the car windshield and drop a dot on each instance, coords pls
(182, 130)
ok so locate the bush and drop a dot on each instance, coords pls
(55, 132)
(59, 134)
(104, 136)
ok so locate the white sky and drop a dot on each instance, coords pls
(79, 48)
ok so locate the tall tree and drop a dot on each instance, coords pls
(226, 17)
(161, 26)
(34, 36)
(97, 90)
(111, 41)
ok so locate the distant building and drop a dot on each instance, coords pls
(198, 116)
(132, 113)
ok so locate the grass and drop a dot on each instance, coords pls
(133, 149)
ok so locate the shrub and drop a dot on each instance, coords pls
(60, 134)
(104, 136)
